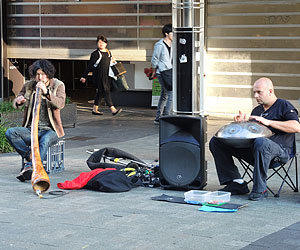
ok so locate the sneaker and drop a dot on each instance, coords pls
(236, 188)
(156, 122)
(26, 173)
(258, 196)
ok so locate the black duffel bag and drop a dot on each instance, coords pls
(110, 181)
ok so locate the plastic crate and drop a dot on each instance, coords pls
(197, 196)
(56, 158)
(218, 197)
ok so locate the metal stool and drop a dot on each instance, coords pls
(55, 162)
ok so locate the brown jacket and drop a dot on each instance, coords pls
(54, 103)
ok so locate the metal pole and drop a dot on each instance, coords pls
(202, 58)
(188, 56)
(40, 23)
(1, 64)
(188, 23)
(187, 13)
(73, 73)
(138, 25)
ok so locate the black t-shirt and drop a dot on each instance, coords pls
(168, 47)
(281, 110)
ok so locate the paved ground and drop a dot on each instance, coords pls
(85, 219)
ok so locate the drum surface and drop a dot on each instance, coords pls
(242, 134)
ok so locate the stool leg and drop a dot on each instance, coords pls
(23, 163)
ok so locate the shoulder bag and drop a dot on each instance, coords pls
(118, 69)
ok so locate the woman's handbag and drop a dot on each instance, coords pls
(120, 84)
(118, 69)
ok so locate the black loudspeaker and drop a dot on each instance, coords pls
(182, 162)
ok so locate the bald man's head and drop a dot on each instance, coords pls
(266, 82)
(263, 90)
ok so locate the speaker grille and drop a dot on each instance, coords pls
(179, 162)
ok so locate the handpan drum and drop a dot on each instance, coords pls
(242, 134)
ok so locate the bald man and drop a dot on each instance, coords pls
(277, 114)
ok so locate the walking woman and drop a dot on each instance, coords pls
(99, 64)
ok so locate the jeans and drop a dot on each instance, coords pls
(260, 155)
(20, 139)
(165, 100)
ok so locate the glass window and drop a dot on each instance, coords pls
(78, 44)
(76, 24)
(25, 43)
(22, 21)
(89, 9)
(155, 20)
(24, 33)
(155, 8)
(23, 9)
(89, 33)
(89, 21)
(151, 33)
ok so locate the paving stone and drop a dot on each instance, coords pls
(84, 219)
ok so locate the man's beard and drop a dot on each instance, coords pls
(260, 101)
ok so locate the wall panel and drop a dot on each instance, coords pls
(247, 40)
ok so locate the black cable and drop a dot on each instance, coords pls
(55, 193)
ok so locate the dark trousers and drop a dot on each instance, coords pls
(164, 106)
(260, 155)
(102, 92)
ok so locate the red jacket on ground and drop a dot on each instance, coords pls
(82, 179)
